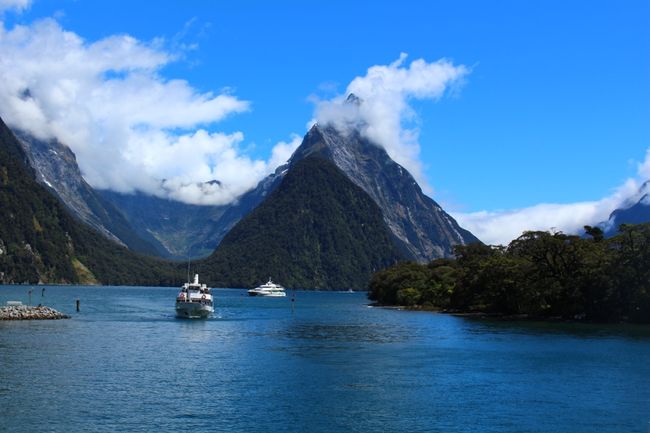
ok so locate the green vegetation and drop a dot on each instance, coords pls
(316, 230)
(41, 242)
(539, 274)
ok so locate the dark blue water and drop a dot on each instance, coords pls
(330, 363)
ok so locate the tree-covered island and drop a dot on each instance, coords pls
(538, 275)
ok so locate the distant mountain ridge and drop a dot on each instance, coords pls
(176, 229)
(179, 229)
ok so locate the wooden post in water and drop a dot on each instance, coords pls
(29, 292)
(77, 302)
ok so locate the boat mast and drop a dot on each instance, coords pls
(189, 258)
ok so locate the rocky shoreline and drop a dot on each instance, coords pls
(24, 312)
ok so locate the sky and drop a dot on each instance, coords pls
(512, 115)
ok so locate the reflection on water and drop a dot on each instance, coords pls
(346, 333)
(559, 328)
(324, 363)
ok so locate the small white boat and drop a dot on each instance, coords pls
(194, 301)
(270, 289)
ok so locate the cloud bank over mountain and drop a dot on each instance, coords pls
(383, 113)
(130, 128)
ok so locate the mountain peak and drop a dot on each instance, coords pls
(645, 188)
(353, 99)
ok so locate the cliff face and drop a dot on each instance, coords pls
(40, 242)
(55, 166)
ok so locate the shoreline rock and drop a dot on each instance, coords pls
(24, 312)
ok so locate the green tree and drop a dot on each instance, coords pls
(540, 274)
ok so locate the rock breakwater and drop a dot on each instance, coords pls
(24, 312)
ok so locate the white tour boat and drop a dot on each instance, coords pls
(194, 300)
(269, 289)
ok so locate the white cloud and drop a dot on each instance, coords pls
(283, 151)
(500, 227)
(17, 5)
(644, 167)
(384, 115)
(127, 124)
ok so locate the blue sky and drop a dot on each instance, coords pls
(555, 107)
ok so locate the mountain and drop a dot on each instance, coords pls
(40, 242)
(56, 168)
(423, 230)
(422, 227)
(637, 213)
(316, 230)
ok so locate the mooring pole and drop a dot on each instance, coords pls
(77, 305)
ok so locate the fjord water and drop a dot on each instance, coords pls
(326, 362)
